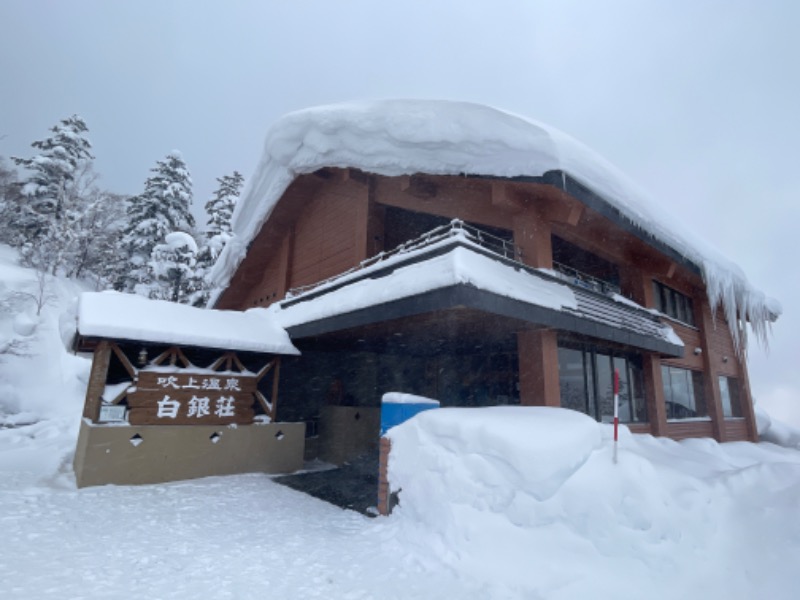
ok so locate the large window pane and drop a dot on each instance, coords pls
(683, 393)
(605, 387)
(621, 366)
(729, 394)
(571, 375)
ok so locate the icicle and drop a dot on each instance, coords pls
(741, 305)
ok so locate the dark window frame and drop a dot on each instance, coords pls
(695, 405)
(674, 304)
(633, 400)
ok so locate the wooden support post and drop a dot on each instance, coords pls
(710, 375)
(538, 368)
(532, 238)
(746, 399)
(384, 494)
(275, 381)
(97, 381)
(654, 394)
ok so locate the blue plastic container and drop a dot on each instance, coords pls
(399, 408)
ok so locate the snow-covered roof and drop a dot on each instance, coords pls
(114, 315)
(403, 137)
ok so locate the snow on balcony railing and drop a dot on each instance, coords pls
(583, 280)
(455, 228)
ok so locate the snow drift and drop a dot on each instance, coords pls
(529, 500)
(402, 137)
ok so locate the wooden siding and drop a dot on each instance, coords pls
(272, 286)
(326, 233)
(689, 429)
(723, 353)
(735, 430)
(691, 338)
(639, 427)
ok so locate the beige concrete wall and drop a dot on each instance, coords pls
(106, 455)
(346, 432)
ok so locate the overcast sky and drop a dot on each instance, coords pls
(696, 101)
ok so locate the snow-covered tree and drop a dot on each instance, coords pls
(50, 195)
(10, 204)
(220, 207)
(161, 209)
(172, 269)
(218, 231)
(96, 249)
(50, 172)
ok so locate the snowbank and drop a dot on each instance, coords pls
(131, 317)
(528, 502)
(401, 137)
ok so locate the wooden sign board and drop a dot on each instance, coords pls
(192, 398)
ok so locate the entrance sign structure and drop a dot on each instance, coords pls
(177, 392)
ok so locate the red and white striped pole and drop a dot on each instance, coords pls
(616, 413)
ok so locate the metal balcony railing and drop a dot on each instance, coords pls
(455, 228)
(583, 280)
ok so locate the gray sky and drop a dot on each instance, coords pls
(696, 101)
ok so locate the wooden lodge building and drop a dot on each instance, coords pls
(460, 253)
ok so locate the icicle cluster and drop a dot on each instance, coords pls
(741, 305)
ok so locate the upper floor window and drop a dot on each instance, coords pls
(584, 268)
(674, 304)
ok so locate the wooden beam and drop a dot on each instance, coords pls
(265, 404)
(132, 371)
(575, 213)
(121, 396)
(97, 381)
(265, 369)
(506, 198)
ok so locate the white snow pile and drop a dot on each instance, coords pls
(776, 431)
(37, 376)
(130, 317)
(403, 137)
(527, 503)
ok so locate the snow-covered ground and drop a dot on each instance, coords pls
(537, 512)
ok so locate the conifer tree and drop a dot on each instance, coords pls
(220, 209)
(50, 204)
(172, 269)
(161, 209)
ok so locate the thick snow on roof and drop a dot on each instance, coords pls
(460, 265)
(130, 317)
(401, 137)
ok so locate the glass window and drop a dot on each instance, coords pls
(729, 395)
(586, 376)
(572, 378)
(683, 393)
(673, 304)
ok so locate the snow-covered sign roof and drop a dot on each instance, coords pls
(403, 137)
(114, 315)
